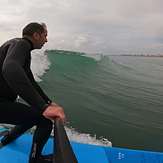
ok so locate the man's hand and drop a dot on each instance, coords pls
(54, 111)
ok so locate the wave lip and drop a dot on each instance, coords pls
(39, 64)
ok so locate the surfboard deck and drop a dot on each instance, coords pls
(18, 151)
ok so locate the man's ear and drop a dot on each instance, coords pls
(36, 36)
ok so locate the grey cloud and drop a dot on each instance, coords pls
(107, 25)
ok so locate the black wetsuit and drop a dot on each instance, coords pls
(16, 79)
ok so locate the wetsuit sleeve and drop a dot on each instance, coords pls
(37, 87)
(16, 77)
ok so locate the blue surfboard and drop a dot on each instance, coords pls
(18, 151)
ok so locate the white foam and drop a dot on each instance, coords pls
(39, 64)
(86, 138)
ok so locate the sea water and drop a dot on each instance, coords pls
(113, 98)
(106, 98)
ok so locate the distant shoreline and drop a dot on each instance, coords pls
(82, 53)
(137, 55)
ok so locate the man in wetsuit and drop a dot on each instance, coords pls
(16, 79)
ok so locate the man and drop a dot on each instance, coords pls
(16, 78)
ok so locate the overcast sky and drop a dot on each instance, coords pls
(95, 26)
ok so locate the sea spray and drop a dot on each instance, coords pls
(40, 64)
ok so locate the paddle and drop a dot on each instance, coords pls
(62, 147)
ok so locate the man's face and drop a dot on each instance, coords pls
(40, 39)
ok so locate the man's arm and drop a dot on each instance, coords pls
(37, 87)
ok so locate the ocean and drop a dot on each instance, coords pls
(108, 99)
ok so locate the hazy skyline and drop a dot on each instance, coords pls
(105, 26)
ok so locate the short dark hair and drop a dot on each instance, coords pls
(33, 27)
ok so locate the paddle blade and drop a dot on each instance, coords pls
(63, 149)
